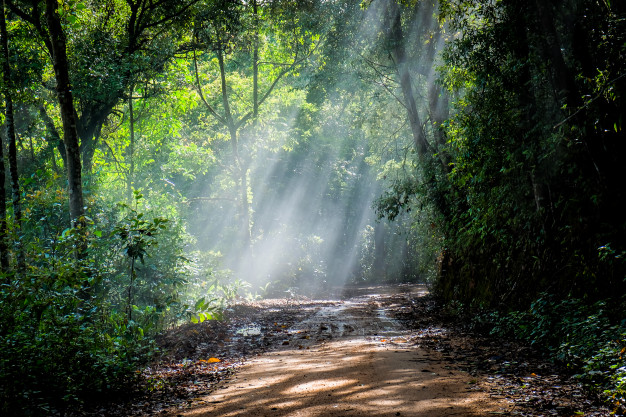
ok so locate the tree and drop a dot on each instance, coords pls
(129, 41)
(6, 77)
(224, 30)
(112, 45)
(58, 50)
(534, 175)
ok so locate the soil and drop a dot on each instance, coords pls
(371, 351)
(348, 359)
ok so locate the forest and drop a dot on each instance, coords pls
(162, 160)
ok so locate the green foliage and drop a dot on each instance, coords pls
(531, 195)
(583, 337)
(137, 235)
(58, 342)
(219, 296)
(147, 275)
(606, 371)
(68, 333)
(205, 309)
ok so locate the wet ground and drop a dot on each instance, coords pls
(370, 351)
(348, 358)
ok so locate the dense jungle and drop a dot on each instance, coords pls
(169, 167)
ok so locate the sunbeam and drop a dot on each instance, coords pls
(311, 188)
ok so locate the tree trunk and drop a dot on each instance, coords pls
(10, 131)
(131, 148)
(4, 246)
(398, 53)
(68, 113)
(379, 251)
(439, 108)
(89, 127)
(53, 134)
(255, 64)
(240, 169)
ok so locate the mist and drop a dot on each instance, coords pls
(314, 174)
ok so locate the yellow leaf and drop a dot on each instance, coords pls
(213, 360)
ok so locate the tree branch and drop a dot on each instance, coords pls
(284, 72)
(384, 78)
(588, 103)
(199, 88)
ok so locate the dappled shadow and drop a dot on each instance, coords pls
(349, 359)
(345, 378)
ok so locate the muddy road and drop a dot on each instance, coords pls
(346, 358)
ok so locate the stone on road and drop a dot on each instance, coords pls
(348, 360)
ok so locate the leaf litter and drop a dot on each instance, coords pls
(197, 359)
(194, 358)
(505, 369)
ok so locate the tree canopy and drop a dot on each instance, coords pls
(160, 157)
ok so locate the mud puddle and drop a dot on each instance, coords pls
(348, 358)
(352, 319)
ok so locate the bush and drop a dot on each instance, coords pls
(66, 337)
(582, 337)
(59, 348)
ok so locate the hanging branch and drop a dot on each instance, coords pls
(297, 61)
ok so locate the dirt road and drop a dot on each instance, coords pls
(349, 359)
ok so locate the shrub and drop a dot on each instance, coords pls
(582, 337)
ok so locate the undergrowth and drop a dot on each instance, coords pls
(588, 339)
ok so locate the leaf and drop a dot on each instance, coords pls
(199, 304)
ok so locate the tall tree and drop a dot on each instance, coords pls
(225, 29)
(397, 50)
(133, 41)
(113, 44)
(535, 145)
(10, 135)
(58, 50)
(4, 246)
